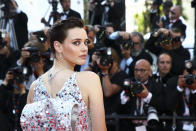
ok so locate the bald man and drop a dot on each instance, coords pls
(175, 22)
(151, 95)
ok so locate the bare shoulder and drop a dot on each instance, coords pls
(88, 79)
(87, 76)
(31, 92)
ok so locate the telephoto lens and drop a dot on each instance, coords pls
(152, 119)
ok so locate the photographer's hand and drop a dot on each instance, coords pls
(193, 86)
(24, 55)
(39, 67)
(181, 81)
(8, 77)
(144, 92)
(163, 31)
(124, 35)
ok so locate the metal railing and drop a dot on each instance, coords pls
(117, 118)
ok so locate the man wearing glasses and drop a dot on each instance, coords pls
(146, 93)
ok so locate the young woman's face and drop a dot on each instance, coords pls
(75, 46)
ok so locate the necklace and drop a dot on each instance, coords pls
(52, 75)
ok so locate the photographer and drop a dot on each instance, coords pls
(126, 53)
(137, 51)
(14, 94)
(170, 41)
(31, 59)
(164, 64)
(142, 92)
(67, 11)
(107, 66)
(8, 57)
(17, 25)
(182, 90)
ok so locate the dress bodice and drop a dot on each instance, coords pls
(67, 111)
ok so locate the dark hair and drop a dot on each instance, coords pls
(110, 25)
(167, 4)
(62, 1)
(59, 31)
(163, 53)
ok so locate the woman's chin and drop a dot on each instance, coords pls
(81, 63)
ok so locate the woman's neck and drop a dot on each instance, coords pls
(62, 64)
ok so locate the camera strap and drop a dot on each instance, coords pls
(186, 99)
(139, 106)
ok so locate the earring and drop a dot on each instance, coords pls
(61, 57)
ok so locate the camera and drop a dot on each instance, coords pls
(105, 56)
(34, 54)
(48, 61)
(165, 40)
(101, 33)
(189, 79)
(18, 73)
(126, 44)
(152, 118)
(40, 36)
(132, 88)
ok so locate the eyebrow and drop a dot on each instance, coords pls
(79, 39)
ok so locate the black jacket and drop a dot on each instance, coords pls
(157, 101)
(178, 55)
(73, 13)
(21, 29)
(175, 101)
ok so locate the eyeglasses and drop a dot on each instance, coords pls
(136, 43)
(141, 70)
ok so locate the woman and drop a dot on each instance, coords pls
(62, 99)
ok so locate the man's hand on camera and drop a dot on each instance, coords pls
(181, 81)
(163, 31)
(144, 92)
(193, 86)
(9, 76)
(124, 35)
(39, 67)
(24, 55)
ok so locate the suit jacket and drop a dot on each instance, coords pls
(20, 25)
(157, 101)
(175, 101)
(178, 55)
(73, 13)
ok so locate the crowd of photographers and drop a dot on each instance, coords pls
(125, 63)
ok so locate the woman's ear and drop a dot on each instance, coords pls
(58, 46)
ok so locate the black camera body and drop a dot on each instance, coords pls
(34, 54)
(101, 33)
(189, 79)
(18, 74)
(40, 36)
(165, 40)
(105, 56)
(132, 88)
(126, 44)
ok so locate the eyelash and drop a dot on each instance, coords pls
(77, 43)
